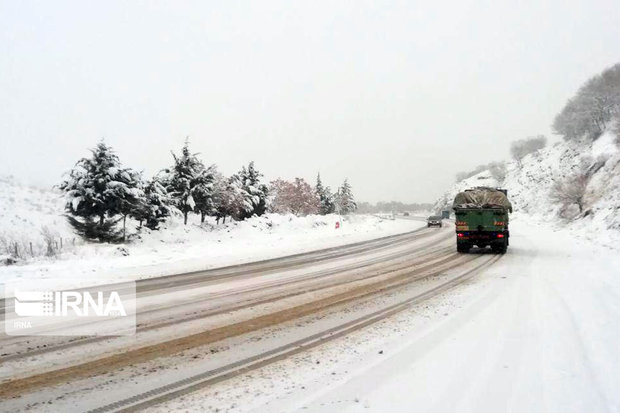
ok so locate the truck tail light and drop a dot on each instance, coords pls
(500, 235)
(459, 235)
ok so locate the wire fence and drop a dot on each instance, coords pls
(48, 244)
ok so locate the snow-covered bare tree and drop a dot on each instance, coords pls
(295, 197)
(571, 190)
(345, 202)
(304, 200)
(326, 198)
(278, 196)
(519, 149)
(596, 103)
(93, 188)
(498, 171)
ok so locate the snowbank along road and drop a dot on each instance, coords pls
(198, 329)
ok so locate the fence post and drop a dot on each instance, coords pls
(16, 250)
(31, 253)
(60, 242)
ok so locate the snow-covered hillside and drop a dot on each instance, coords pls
(26, 213)
(530, 186)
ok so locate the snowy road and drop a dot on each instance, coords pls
(215, 308)
(538, 331)
(406, 327)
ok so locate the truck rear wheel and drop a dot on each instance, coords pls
(462, 248)
(500, 248)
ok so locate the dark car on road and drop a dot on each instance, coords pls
(434, 221)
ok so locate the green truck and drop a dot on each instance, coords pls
(481, 219)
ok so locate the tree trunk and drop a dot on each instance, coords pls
(224, 220)
(124, 226)
(101, 220)
(217, 220)
(184, 217)
(202, 217)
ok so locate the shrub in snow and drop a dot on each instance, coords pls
(49, 237)
(8, 260)
(122, 251)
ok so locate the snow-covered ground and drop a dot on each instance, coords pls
(179, 248)
(26, 213)
(538, 331)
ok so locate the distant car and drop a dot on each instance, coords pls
(434, 221)
(405, 214)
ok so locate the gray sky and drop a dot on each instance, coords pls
(396, 96)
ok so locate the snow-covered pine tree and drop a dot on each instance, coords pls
(241, 201)
(184, 178)
(203, 193)
(158, 204)
(326, 198)
(128, 195)
(92, 188)
(345, 203)
(256, 191)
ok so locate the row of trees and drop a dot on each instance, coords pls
(299, 198)
(596, 104)
(102, 194)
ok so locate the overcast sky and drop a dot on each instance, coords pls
(396, 96)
